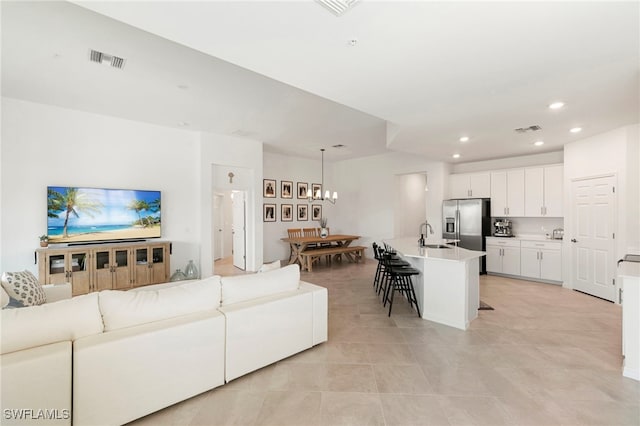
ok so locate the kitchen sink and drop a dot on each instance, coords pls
(437, 246)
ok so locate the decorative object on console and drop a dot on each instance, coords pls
(44, 240)
(23, 287)
(178, 275)
(191, 271)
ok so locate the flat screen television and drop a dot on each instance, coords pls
(78, 215)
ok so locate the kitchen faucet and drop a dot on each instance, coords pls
(426, 225)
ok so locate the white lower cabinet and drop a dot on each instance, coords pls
(503, 256)
(541, 260)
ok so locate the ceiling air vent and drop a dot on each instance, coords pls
(105, 58)
(533, 128)
(338, 146)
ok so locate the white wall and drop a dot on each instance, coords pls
(44, 145)
(633, 189)
(367, 194)
(608, 153)
(411, 204)
(294, 169)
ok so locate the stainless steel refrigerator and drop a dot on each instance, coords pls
(468, 221)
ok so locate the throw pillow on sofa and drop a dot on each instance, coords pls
(266, 267)
(24, 288)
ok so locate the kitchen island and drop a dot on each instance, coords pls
(448, 287)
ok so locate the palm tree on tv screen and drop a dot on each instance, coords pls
(138, 206)
(71, 202)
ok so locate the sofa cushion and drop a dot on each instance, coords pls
(122, 309)
(24, 288)
(66, 320)
(240, 288)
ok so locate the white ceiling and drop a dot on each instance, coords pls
(421, 75)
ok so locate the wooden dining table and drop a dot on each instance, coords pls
(300, 244)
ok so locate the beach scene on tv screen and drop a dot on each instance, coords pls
(93, 214)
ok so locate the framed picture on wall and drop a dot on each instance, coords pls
(286, 212)
(303, 212)
(269, 188)
(269, 213)
(315, 187)
(286, 189)
(316, 211)
(302, 189)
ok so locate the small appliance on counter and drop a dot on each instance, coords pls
(502, 228)
(558, 234)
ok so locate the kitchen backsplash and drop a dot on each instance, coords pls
(533, 225)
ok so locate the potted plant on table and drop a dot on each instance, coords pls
(324, 231)
(44, 240)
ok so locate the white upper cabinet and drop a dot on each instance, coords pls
(507, 193)
(543, 191)
(534, 192)
(470, 185)
(553, 190)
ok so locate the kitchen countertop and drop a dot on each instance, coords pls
(528, 237)
(409, 247)
(629, 269)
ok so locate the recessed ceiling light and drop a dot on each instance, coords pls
(576, 130)
(183, 123)
(456, 155)
(538, 143)
(556, 105)
(464, 139)
(182, 86)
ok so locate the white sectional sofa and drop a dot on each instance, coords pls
(116, 356)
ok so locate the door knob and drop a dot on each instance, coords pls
(573, 240)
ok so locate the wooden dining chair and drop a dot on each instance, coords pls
(294, 232)
(309, 232)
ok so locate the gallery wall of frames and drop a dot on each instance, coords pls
(286, 202)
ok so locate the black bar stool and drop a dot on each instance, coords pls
(398, 278)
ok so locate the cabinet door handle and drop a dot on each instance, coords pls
(540, 255)
(537, 255)
(508, 210)
(541, 210)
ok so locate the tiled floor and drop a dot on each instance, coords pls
(544, 356)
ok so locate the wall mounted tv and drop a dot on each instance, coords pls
(76, 215)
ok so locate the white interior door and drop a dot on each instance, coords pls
(592, 237)
(239, 229)
(218, 225)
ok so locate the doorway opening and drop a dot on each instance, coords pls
(230, 232)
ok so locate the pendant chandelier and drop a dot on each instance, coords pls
(318, 196)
